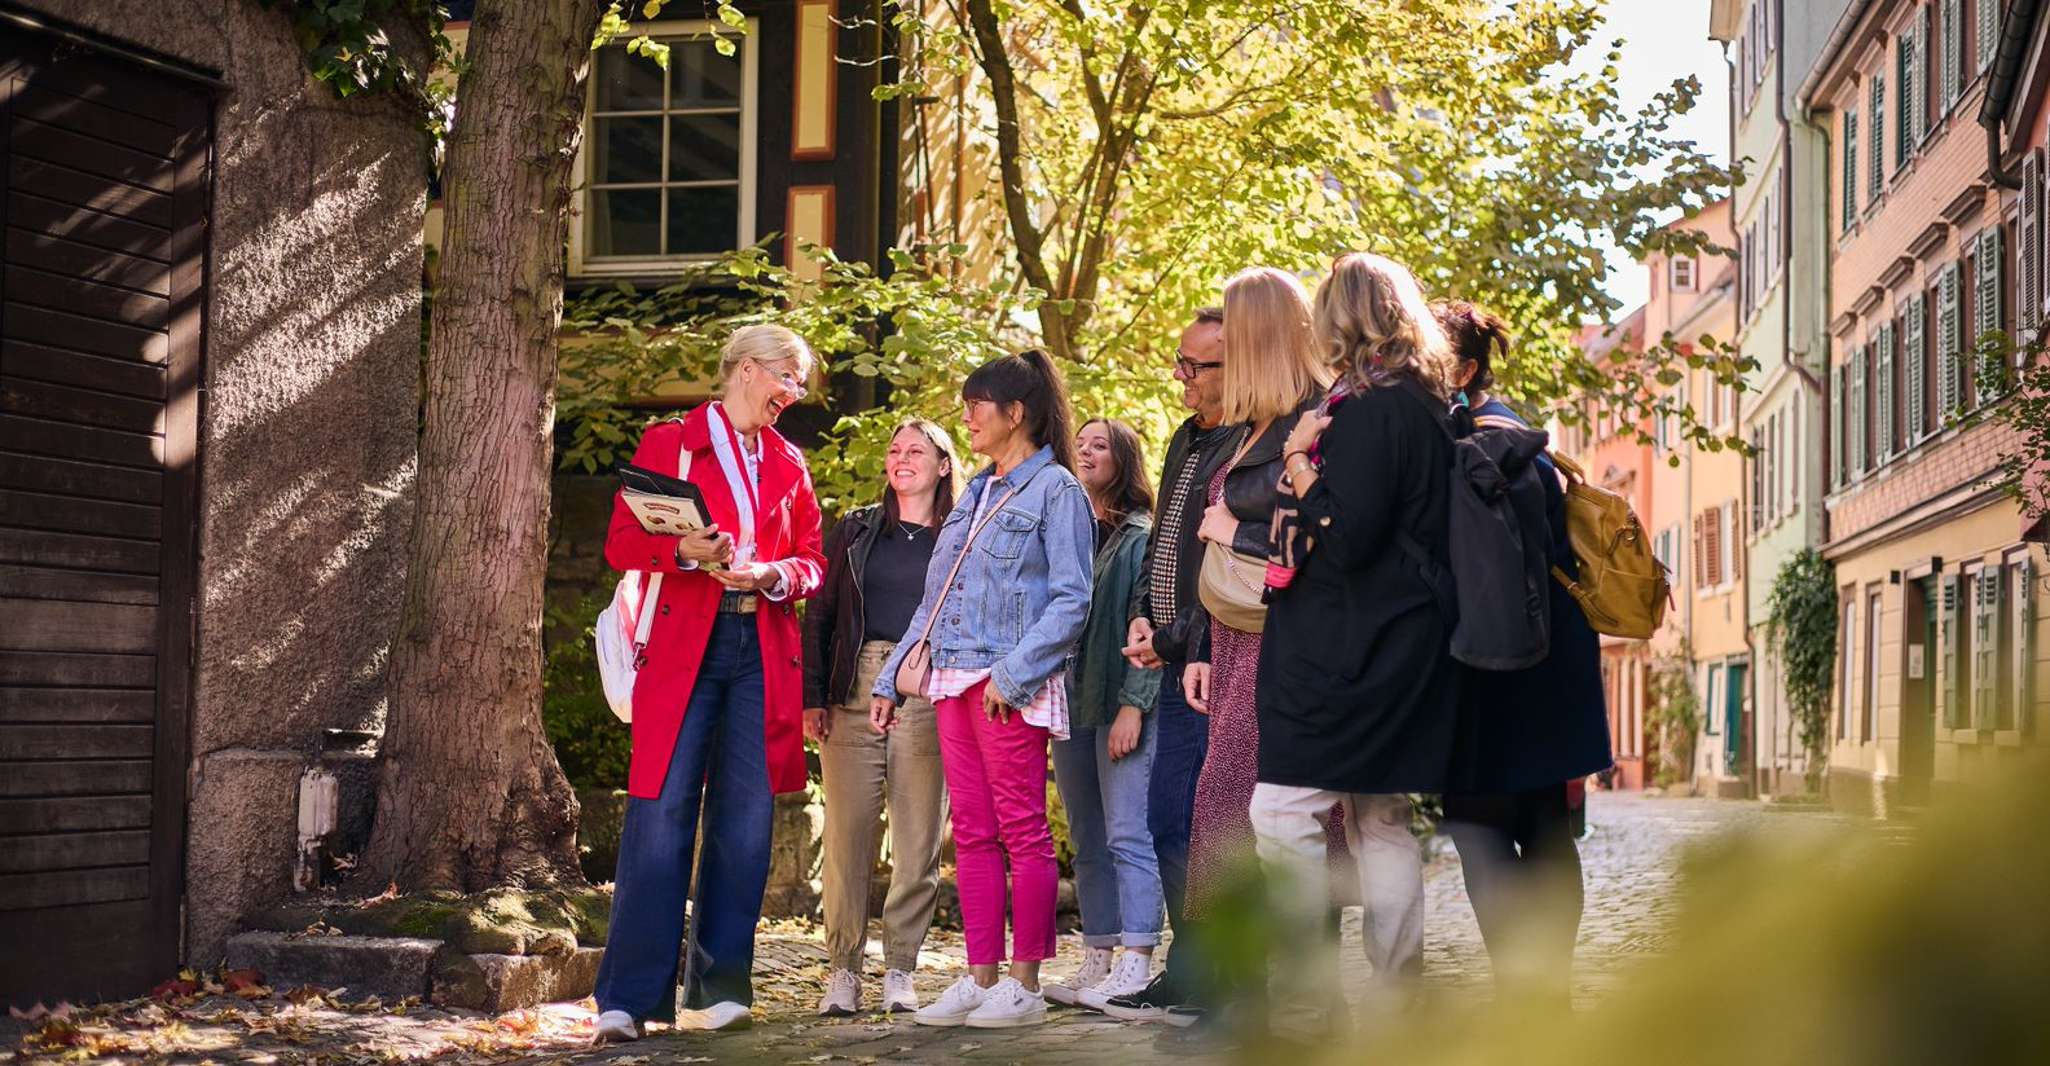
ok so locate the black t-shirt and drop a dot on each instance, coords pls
(894, 580)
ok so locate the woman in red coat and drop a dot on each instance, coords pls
(718, 716)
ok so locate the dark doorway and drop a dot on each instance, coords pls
(1918, 690)
(103, 181)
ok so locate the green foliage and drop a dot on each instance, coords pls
(1147, 153)
(2025, 458)
(592, 745)
(1800, 626)
(1675, 710)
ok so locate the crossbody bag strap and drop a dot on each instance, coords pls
(955, 572)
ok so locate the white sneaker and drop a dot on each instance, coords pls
(954, 1005)
(1131, 974)
(1006, 1005)
(898, 995)
(615, 1027)
(1095, 967)
(725, 1014)
(843, 995)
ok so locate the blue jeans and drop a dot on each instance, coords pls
(1170, 800)
(1117, 880)
(721, 763)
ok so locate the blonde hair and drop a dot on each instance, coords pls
(1270, 348)
(1372, 322)
(765, 343)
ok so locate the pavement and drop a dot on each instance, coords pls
(1631, 866)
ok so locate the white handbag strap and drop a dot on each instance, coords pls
(645, 623)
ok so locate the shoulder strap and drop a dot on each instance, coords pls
(954, 572)
(645, 623)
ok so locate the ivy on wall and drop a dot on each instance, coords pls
(1801, 624)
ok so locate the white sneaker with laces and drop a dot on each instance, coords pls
(843, 995)
(1131, 974)
(1006, 1005)
(954, 1005)
(724, 1014)
(899, 997)
(615, 1027)
(1095, 967)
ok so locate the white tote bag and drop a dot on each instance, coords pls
(623, 626)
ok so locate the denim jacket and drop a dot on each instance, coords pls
(1022, 597)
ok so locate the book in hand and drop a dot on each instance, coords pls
(665, 505)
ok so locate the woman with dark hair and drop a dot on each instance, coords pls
(1104, 766)
(1006, 597)
(876, 561)
(1523, 736)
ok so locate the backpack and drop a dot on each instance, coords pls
(1497, 592)
(621, 632)
(1622, 587)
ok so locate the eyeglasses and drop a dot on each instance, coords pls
(786, 376)
(1189, 368)
(968, 407)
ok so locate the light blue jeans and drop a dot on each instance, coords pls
(1117, 879)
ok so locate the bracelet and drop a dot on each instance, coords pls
(1288, 462)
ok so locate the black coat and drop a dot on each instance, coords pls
(834, 620)
(1540, 726)
(1357, 688)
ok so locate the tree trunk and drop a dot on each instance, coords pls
(470, 794)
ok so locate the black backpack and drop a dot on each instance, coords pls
(1497, 592)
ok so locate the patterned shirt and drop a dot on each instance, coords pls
(1163, 605)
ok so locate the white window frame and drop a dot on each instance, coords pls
(1673, 273)
(581, 265)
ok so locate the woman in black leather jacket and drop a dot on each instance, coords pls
(1272, 374)
(876, 560)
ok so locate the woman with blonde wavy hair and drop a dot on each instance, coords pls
(1357, 690)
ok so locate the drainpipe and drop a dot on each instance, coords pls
(2003, 81)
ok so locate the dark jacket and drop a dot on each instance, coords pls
(1358, 690)
(1250, 491)
(834, 621)
(1546, 724)
(1207, 448)
(1100, 681)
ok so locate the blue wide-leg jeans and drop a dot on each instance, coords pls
(721, 767)
(1117, 877)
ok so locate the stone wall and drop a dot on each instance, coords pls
(308, 429)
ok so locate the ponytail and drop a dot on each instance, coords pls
(1032, 380)
(1475, 336)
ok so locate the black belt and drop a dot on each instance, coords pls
(738, 603)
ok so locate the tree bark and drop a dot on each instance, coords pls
(470, 795)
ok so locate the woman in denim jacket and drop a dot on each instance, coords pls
(999, 636)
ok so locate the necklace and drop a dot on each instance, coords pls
(910, 530)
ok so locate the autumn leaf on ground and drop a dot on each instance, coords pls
(175, 990)
(304, 994)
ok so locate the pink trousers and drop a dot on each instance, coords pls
(996, 790)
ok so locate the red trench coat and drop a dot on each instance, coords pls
(786, 535)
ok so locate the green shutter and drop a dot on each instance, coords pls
(1860, 425)
(1920, 74)
(1836, 426)
(1992, 370)
(1949, 391)
(1876, 182)
(1953, 43)
(1989, 31)
(1917, 364)
(2022, 638)
(1882, 404)
(1947, 661)
(1986, 648)
(1850, 165)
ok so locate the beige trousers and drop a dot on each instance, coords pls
(861, 769)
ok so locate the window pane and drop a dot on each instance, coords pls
(703, 220)
(627, 149)
(626, 222)
(701, 77)
(704, 147)
(628, 82)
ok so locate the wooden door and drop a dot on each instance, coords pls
(103, 181)
(1918, 689)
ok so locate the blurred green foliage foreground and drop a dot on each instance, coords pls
(1845, 943)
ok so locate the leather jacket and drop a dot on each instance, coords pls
(835, 619)
(1251, 489)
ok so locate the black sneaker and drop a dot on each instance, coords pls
(1149, 1004)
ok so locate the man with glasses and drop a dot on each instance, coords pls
(1167, 626)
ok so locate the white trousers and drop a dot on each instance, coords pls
(1289, 822)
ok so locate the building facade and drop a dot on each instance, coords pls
(1938, 605)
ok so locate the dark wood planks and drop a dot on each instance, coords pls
(57, 704)
(61, 625)
(73, 813)
(74, 777)
(20, 743)
(91, 480)
(74, 850)
(78, 671)
(72, 887)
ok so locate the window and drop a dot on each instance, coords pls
(1984, 654)
(1905, 135)
(669, 160)
(1850, 170)
(1733, 550)
(1882, 401)
(1949, 322)
(1758, 462)
(1797, 449)
(1847, 633)
(1861, 422)
(2014, 707)
(2029, 243)
(1875, 181)
(1711, 717)
(1837, 435)
(1912, 339)
(1869, 705)
(1988, 306)
(1683, 274)
(1955, 714)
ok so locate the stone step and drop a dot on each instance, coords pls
(393, 968)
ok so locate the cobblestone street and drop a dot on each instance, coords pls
(1630, 862)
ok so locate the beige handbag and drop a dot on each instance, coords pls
(1231, 583)
(914, 671)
